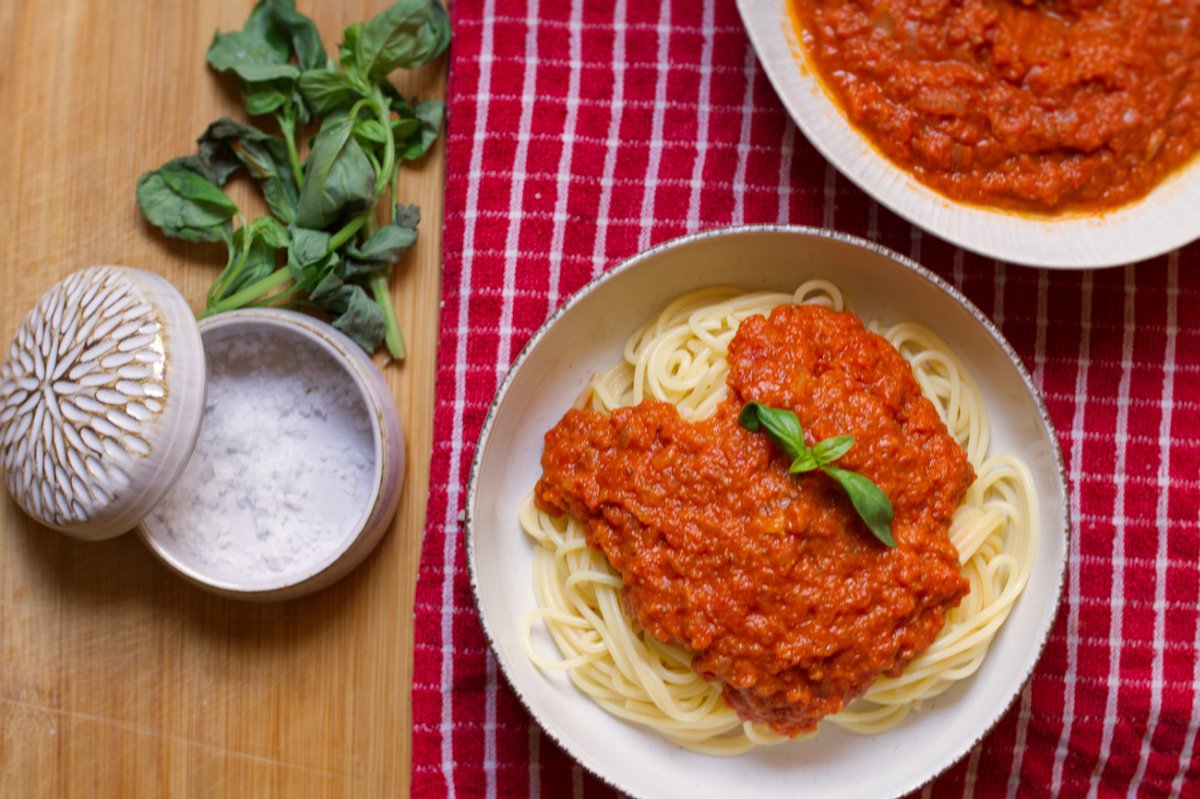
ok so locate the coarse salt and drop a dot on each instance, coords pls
(282, 470)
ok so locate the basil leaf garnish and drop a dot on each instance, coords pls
(783, 427)
(831, 449)
(805, 462)
(869, 500)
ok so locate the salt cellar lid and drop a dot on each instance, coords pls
(101, 400)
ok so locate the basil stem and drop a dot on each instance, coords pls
(346, 233)
(249, 294)
(287, 124)
(393, 338)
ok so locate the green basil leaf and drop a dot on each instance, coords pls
(406, 215)
(260, 41)
(407, 34)
(271, 232)
(370, 132)
(252, 256)
(327, 290)
(264, 73)
(230, 52)
(184, 204)
(338, 178)
(326, 90)
(831, 449)
(225, 145)
(402, 128)
(305, 39)
(416, 128)
(869, 500)
(355, 270)
(783, 426)
(215, 158)
(307, 277)
(356, 314)
(263, 99)
(308, 246)
(748, 418)
(267, 87)
(262, 25)
(805, 462)
(385, 246)
(348, 48)
(260, 53)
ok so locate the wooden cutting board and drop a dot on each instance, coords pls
(117, 678)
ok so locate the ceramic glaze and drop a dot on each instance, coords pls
(86, 398)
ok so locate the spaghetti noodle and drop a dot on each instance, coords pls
(679, 357)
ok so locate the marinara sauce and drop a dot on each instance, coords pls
(1040, 106)
(769, 577)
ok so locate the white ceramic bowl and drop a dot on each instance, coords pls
(347, 362)
(586, 334)
(1163, 220)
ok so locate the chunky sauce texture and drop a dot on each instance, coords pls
(771, 578)
(1040, 106)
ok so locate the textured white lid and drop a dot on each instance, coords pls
(101, 400)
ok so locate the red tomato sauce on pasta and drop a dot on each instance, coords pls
(769, 577)
(1041, 106)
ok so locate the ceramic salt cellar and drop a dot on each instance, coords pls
(103, 401)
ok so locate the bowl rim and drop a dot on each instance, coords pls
(1139, 231)
(471, 494)
(296, 583)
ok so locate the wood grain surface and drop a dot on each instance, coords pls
(117, 678)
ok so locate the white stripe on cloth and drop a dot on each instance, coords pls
(972, 771)
(785, 172)
(650, 192)
(828, 212)
(702, 104)
(743, 148)
(915, 240)
(1162, 520)
(454, 479)
(1071, 677)
(516, 196)
(998, 282)
(516, 202)
(558, 238)
(1117, 585)
(599, 247)
(1189, 746)
(535, 761)
(489, 725)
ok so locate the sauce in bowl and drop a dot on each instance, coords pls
(1044, 107)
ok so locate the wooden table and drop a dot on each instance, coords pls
(117, 678)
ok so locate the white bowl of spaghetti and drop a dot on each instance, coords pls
(630, 708)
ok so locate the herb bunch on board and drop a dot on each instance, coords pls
(320, 247)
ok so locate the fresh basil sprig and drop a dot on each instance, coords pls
(783, 427)
(322, 246)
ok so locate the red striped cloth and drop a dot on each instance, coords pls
(581, 133)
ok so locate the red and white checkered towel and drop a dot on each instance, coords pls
(583, 132)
